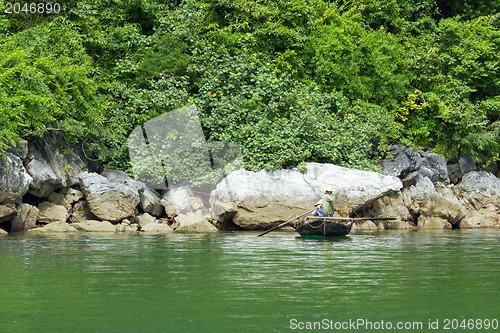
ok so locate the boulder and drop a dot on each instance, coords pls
(94, 226)
(14, 180)
(54, 164)
(477, 222)
(467, 164)
(151, 203)
(3, 232)
(181, 200)
(402, 161)
(7, 212)
(50, 212)
(193, 223)
(108, 201)
(26, 218)
(81, 212)
(480, 191)
(145, 219)
(157, 228)
(433, 222)
(259, 200)
(54, 227)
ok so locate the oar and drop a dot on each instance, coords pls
(284, 223)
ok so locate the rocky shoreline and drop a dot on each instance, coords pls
(53, 187)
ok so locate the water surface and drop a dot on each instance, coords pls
(236, 282)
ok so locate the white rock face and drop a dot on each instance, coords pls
(258, 200)
(14, 180)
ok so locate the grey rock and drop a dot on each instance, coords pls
(193, 223)
(258, 200)
(26, 218)
(54, 164)
(403, 161)
(434, 167)
(145, 219)
(151, 203)
(45, 180)
(182, 200)
(454, 173)
(14, 180)
(94, 226)
(54, 228)
(467, 164)
(108, 201)
(480, 191)
(50, 212)
(120, 177)
(427, 200)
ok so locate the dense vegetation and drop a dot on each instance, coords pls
(288, 80)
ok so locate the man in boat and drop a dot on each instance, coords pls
(327, 201)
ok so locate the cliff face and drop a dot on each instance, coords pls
(55, 186)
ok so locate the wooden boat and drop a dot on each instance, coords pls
(329, 226)
(324, 226)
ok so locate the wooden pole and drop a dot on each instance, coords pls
(284, 223)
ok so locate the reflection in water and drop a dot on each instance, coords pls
(236, 281)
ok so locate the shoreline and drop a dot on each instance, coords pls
(56, 187)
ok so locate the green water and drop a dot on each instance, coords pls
(236, 282)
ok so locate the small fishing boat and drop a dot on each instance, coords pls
(324, 226)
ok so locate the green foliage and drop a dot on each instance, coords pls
(290, 81)
(46, 85)
(361, 63)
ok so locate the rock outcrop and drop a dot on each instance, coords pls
(107, 200)
(481, 192)
(14, 180)
(404, 160)
(259, 200)
(54, 164)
